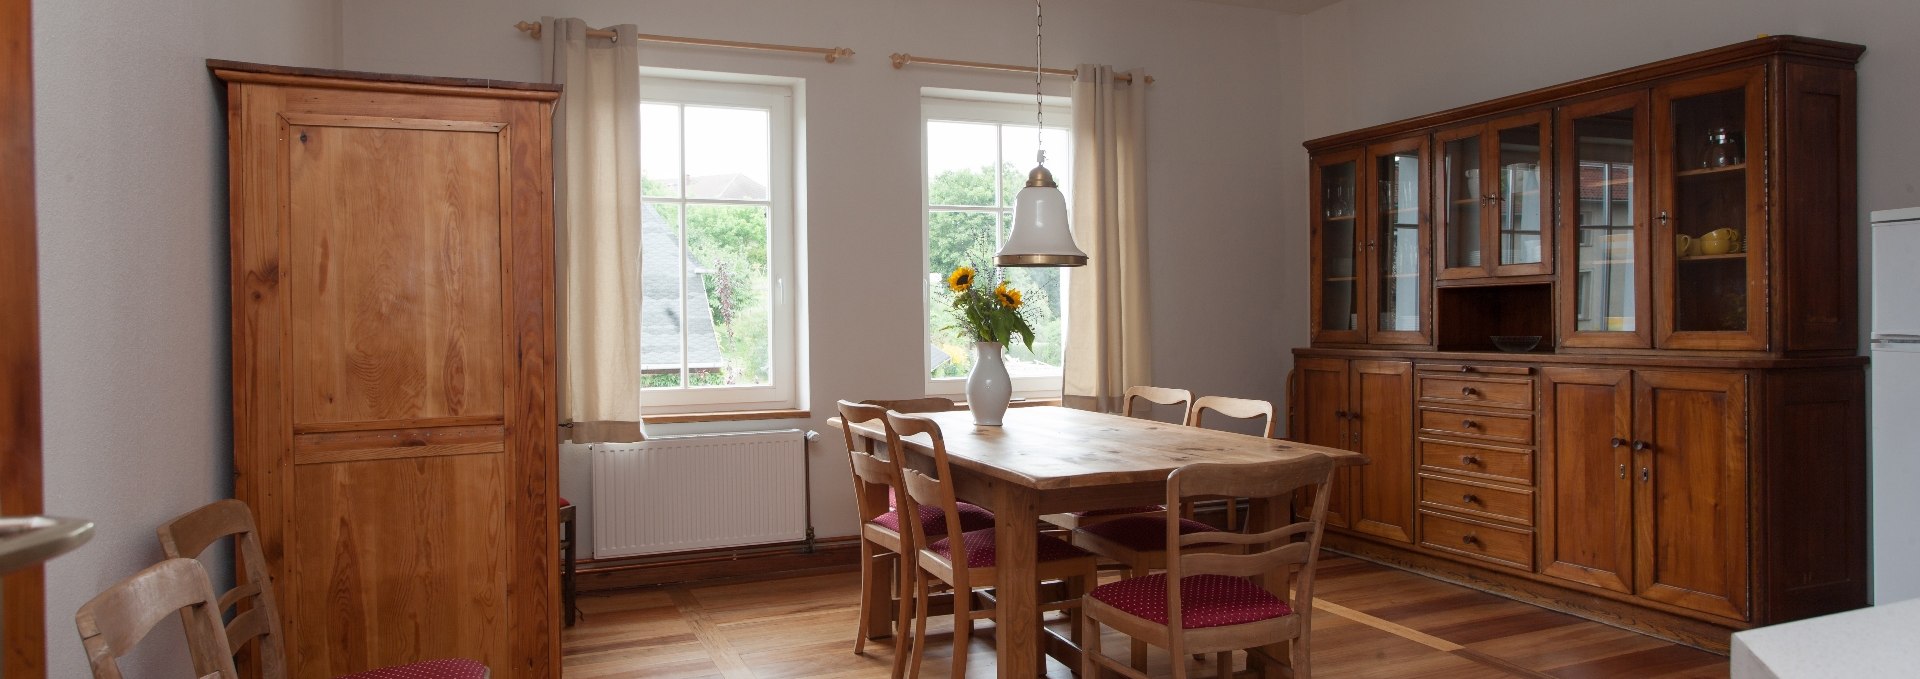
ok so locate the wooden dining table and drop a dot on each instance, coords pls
(1049, 460)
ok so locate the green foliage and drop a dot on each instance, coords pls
(956, 238)
(729, 243)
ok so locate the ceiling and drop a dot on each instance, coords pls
(1285, 6)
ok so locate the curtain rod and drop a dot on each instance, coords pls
(833, 54)
(901, 59)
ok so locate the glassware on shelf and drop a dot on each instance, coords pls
(1723, 149)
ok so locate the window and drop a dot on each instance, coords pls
(977, 154)
(716, 270)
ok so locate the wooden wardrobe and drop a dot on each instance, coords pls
(393, 372)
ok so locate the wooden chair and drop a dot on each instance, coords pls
(930, 404)
(1208, 603)
(1154, 395)
(1237, 408)
(876, 484)
(258, 621)
(569, 563)
(115, 621)
(972, 564)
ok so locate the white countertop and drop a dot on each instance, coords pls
(1881, 641)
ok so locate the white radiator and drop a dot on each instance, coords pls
(679, 493)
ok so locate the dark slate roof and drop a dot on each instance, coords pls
(660, 315)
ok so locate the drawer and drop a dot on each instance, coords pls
(1477, 499)
(1478, 424)
(1480, 391)
(1480, 460)
(1478, 539)
(1468, 369)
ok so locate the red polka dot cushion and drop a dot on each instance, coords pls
(972, 517)
(1206, 600)
(984, 552)
(453, 668)
(1123, 511)
(1142, 533)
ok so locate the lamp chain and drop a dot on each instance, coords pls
(1039, 110)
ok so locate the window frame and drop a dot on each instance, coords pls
(1001, 109)
(776, 96)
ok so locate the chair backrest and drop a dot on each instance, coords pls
(1241, 408)
(1292, 549)
(258, 621)
(875, 480)
(930, 404)
(1158, 396)
(930, 491)
(115, 621)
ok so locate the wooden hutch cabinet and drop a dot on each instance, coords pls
(1682, 239)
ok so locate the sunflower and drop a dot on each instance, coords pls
(1009, 297)
(961, 279)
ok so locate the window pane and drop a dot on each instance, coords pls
(1018, 147)
(727, 153)
(660, 294)
(660, 150)
(953, 239)
(729, 305)
(960, 163)
(1041, 296)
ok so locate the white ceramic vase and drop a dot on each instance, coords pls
(988, 386)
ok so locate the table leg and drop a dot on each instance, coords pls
(1017, 613)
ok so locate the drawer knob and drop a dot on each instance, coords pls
(1470, 498)
(1467, 391)
(1468, 424)
(1470, 539)
(1617, 442)
(1466, 368)
(1470, 460)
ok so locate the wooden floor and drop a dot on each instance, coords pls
(1370, 621)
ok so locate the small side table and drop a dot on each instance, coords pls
(567, 563)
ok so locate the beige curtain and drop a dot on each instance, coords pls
(1107, 322)
(596, 163)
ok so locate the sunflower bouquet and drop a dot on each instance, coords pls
(987, 317)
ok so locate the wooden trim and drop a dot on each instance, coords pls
(1316, 194)
(1423, 301)
(830, 554)
(1490, 173)
(1666, 359)
(321, 120)
(731, 416)
(23, 621)
(1809, 48)
(242, 71)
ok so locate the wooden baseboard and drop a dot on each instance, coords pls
(1678, 629)
(828, 555)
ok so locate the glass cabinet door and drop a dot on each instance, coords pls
(1396, 239)
(1711, 235)
(1463, 198)
(1603, 147)
(1520, 211)
(1337, 267)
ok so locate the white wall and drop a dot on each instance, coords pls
(1223, 148)
(131, 155)
(1374, 61)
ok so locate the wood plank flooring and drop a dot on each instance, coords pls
(1370, 621)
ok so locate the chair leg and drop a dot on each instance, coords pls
(866, 597)
(1089, 649)
(1139, 659)
(1299, 657)
(1223, 666)
(903, 635)
(919, 622)
(962, 631)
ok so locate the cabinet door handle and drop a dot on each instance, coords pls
(1470, 539)
(1616, 442)
(1646, 474)
(1641, 445)
(1467, 391)
(1340, 414)
(1468, 424)
(1470, 498)
(1470, 460)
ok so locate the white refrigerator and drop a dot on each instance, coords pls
(1895, 470)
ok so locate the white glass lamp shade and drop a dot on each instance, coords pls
(1041, 236)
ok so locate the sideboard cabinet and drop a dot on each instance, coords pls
(392, 286)
(1681, 239)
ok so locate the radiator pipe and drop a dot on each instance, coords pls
(806, 476)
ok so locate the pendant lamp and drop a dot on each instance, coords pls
(1041, 235)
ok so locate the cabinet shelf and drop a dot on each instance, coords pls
(1347, 218)
(1340, 279)
(1738, 167)
(1714, 258)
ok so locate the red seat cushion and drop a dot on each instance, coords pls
(1123, 511)
(983, 551)
(565, 503)
(1205, 600)
(452, 668)
(972, 517)
(1143, 533)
